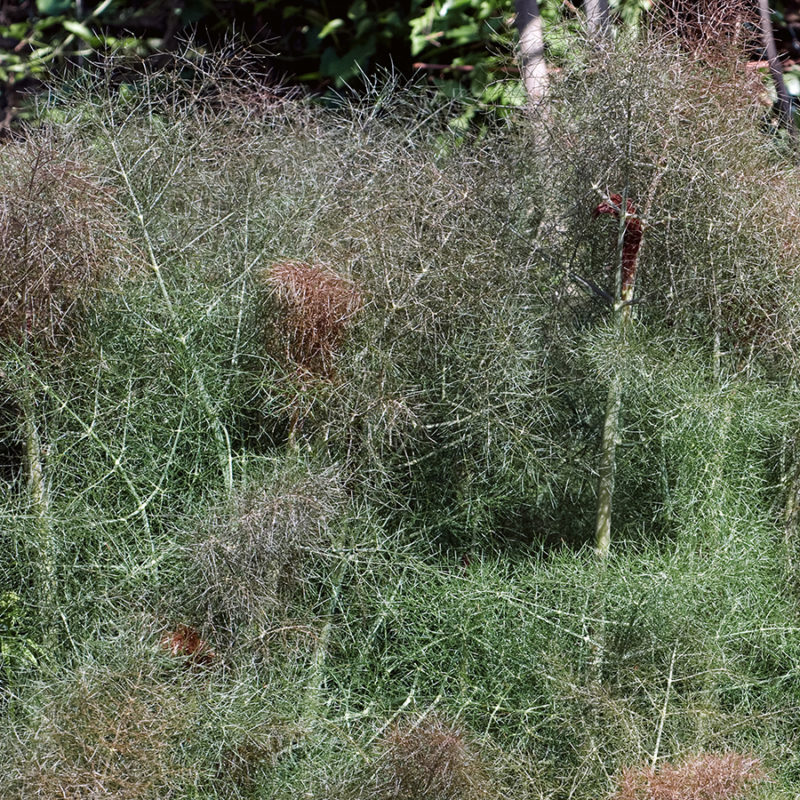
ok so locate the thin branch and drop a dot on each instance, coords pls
(664, 709)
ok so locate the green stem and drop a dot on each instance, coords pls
(607, 465)
(45, 545)
(116, 461)
(790, 479)
(313, 699)
(663, 717)
(607, 468)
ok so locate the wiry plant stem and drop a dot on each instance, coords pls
(221, 435)
(314, 688)
(141, 505)
(606, 468)
(663, 717)
(790, 479)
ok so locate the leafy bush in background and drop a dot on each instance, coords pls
(465, 47)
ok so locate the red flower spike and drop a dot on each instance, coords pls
(631, 239)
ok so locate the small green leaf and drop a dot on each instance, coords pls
(79, 29)
(20, 69)
(357, 10)
(421, 29)
(9, 58)
(342, 68)
(465, 34)
(52, 8)
(792, 79)
(41, 53)
(365, 27)
(330, 27)
(462, 123)
(16, 31)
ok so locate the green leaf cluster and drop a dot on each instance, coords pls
(465, 47)
(56, 34)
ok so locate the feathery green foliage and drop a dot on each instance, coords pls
(384, 543)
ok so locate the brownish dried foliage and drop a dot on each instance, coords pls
(184, 641)
(710, 29)
(59, 233)
(113, 736)
(315, 305)
(428, 759)
(707, 776)
(251, 559)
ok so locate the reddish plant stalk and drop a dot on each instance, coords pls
(631, 239)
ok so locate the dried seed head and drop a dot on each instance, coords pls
(185, 641)
(711, 29)
(59, 235)
(707, 776)
(315, 305)
(428, 758)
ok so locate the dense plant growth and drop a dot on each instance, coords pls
(465, 49)
(321, 456)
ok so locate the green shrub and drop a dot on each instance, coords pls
(417, 547)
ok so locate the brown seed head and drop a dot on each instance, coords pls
(185, 641)
(707, 776)
(316, 305)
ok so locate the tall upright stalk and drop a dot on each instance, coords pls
(598, 18)
(790, 479)
(531, 49)
(39, 503)
(630, 241)
(776, 69)
(606, 468)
